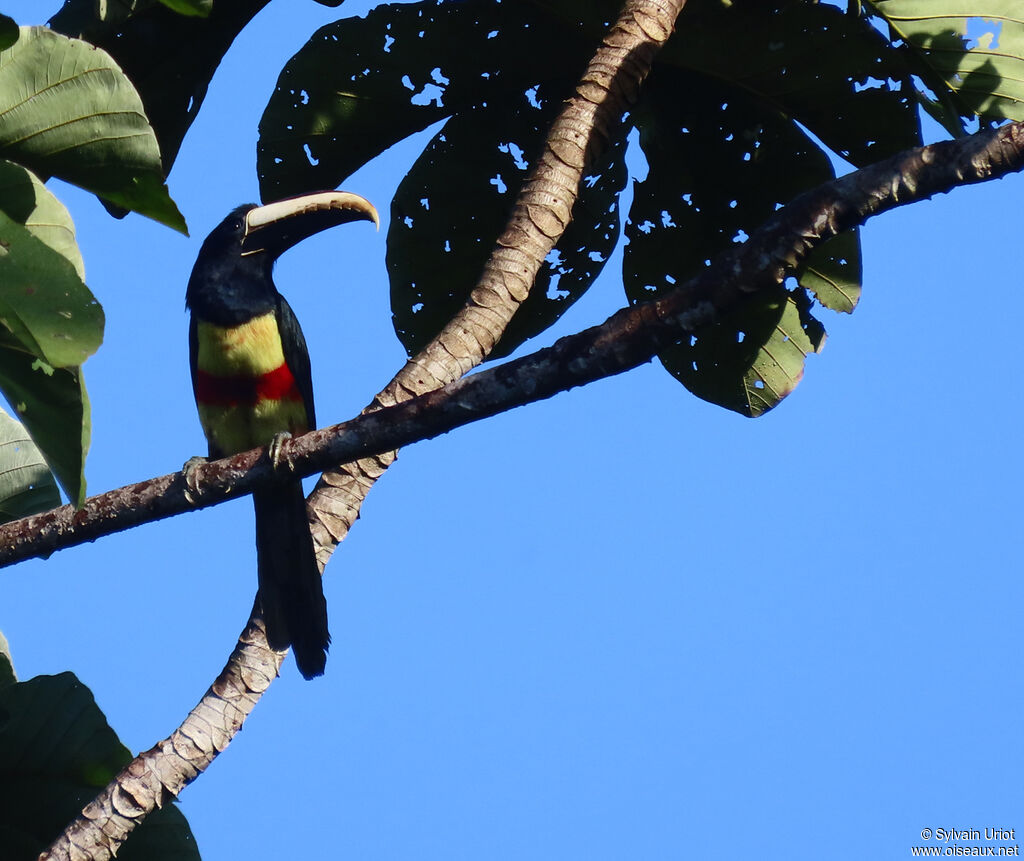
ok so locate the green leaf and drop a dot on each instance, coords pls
(200, 8)
(25, 199)
(26, 483)
(976, 48)
(455, 201)
(56, 751)
(709, 185)
(833, 272)
(7, 674)
(832, 72)
(169, 57)
(43, 302)
(359, 85)
(51, 321)
(54, 407)
(362, 84)
(67, 110)
(8, 32)
(751, 359)
(113, 11)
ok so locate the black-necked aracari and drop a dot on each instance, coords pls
(252, 382)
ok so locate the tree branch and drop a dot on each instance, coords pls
(608, 88)
(627, 339)
(610, 83)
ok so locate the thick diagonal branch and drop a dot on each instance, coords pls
(581, 132)
(609, 85)
(627, 339)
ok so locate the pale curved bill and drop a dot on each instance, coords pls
(320, 201)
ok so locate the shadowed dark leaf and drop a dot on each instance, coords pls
(359, 85)
(456, 200)
(720, 163)
(56, 752)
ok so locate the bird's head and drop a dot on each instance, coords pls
(239, 254)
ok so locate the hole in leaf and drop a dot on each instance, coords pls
(553, 292)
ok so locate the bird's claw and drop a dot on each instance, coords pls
(278, 460)
(188, 471)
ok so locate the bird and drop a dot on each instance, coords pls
(253, 386)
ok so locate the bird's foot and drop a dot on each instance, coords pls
(278, 459)
(188, 471)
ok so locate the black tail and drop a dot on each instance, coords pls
(291, 591)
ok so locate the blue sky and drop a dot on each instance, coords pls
(618, 624)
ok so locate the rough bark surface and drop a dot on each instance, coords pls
(771, 252)
(156, 776)
(608, 87)
(610, 83)
(627, 339)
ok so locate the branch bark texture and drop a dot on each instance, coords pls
(610, 83)
(627, 339)
(608, 87)
(425, 399)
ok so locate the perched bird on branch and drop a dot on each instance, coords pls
(252, 384)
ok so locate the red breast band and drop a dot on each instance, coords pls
(278, 385)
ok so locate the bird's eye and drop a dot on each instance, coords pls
(238, 224)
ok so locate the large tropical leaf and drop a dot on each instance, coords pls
(25, 199)
(54, 407)
(43, 301)
(56, 752)
(197, 8)
(359, 85)
(832, 72)
(7, 674)
(976, 48)
(112, 13)
(8, 32)
(26, 483)
(169, 57)
(454, 202)
(720, 163)
(51, 323)
(67, 110)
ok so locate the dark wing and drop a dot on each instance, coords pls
(296, 356)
